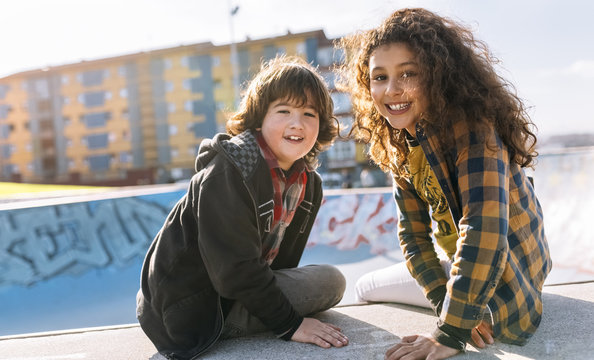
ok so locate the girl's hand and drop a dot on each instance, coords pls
(313, 331)
(482, 334)
(419, 347)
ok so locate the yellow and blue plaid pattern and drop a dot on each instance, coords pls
(502, 256)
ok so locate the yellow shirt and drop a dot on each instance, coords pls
(426, 185)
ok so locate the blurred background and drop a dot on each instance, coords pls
(105, 94)
(122, 93)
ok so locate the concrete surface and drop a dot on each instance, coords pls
(565, 333)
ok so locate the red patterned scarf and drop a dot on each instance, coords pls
(289, 191)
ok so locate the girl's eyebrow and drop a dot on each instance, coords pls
(406, 63)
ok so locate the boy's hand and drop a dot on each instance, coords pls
(420, 347)
(313, 331)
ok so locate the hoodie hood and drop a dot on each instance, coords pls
(242, 150)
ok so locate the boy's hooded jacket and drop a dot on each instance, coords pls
(210, 248)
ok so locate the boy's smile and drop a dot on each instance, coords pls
(290, 131)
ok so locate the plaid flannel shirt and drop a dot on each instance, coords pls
(502, 256)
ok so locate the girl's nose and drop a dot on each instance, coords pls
(394, 87)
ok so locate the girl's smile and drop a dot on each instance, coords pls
(395, 85)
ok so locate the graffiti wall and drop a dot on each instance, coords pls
(76, 254)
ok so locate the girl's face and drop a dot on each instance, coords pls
(290, 131)
(395, 85)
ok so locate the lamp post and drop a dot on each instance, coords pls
(234, 64)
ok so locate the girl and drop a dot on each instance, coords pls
(455, 137)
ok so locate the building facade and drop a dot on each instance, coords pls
(139, 118)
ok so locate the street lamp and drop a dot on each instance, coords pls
(234, 64)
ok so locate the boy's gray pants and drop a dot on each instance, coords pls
(311, 289)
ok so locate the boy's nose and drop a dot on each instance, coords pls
(296, 121)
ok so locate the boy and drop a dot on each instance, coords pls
(224, 263)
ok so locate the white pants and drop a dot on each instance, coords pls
(394, 284)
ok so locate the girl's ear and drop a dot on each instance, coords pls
(258, 129)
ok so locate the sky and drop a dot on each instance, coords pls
(546, 48)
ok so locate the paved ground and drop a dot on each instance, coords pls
(565, 333)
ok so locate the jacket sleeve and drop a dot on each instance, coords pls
(230, 247)
(482, 170)
(414, 233)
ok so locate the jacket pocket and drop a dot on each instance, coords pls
(195, 321)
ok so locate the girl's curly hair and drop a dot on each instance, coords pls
(291, 78)
(458, 78)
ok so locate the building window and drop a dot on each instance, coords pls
(95, 120)
(216, 61)
(4, 131)
(97, 141)
(342, 150)
(4, 110)
(93, 99)
(168, 86)
(342, 102)
(41, 88)
(174, 152)
(330, 78)
(7, 151)
(172, 129)
(10, 169)
(99, 162)
(3, 90)
(125, 157)
(189, 106)
(301, 48)
(92, 78)
(124, 93)
(192, 84)
(326, 56)
(170, 108)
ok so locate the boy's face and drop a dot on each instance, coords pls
(290, 131)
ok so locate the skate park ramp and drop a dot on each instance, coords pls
(73, 262)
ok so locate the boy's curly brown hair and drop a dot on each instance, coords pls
(291, 78)
(458, 78)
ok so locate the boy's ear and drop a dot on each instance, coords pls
(258, 129)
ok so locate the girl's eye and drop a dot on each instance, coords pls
(283, 111)
(379, 77)
(311, 114)
(408, 74)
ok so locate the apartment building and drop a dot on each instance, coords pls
(139, 118)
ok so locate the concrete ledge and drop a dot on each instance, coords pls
(565, 333)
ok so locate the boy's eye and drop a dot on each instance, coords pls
(311, 114)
